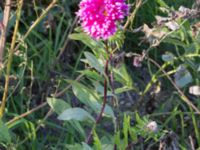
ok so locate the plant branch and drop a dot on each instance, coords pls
(3, 29)
(182, 95)
(131, 18)
(37, 21)
(12, 49)
(43, 104)
(10, 58)
(26, 113)
(99, 117)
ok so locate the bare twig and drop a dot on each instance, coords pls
(3, 30)
(131, 18)
(191, 142)
(36, 22)
(10, 57)
(26, 113)
(38, 126)
(41, 105)
(67, 40)
(13, 48)
(182, 95)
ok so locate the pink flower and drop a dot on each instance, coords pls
(99, 17)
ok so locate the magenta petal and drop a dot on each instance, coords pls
(98, 17)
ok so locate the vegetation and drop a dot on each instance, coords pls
(62, 89)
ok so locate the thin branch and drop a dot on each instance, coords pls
(182, 95)
(191, 142)
(131, 18)
(52, 4)
(67, 40)
(10, 58)
(41, 105)
(3, 29)
(36, 22)
(26, 113)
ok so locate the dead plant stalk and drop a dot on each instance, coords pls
(3, 30)
(10, 58)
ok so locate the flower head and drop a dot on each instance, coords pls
(152, 126)
(99, 17)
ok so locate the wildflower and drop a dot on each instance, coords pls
(99, 17)
(152, 126)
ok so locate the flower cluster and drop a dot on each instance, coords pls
(99, 17)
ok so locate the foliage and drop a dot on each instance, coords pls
(57, 80)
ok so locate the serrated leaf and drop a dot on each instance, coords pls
(138, 119)
(4, 133)
(78, 114)
(133, 134)
(57, 105)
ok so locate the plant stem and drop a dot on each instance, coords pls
(99, 117)
(10, 58)
(43, 104)
(36, 22)
(3, 29)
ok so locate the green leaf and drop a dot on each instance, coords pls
(84, 94)
(78, 114)
(108, 111)
(92, 44)
(60, 106)
(97, 142)
(4, 133)
(174, 41)
(162, 3)
(117, 139)
(107, 146)
(122, 76)
(138, 119)
(86, 146)
(57, 105)
(90, 98)
(182, 77)
(93, 62)
(168, 57)
(92, 74)
(74, 147)
(126, 126)
(133, 134)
